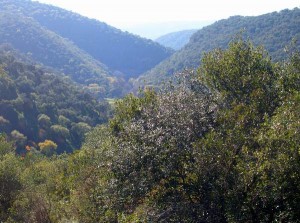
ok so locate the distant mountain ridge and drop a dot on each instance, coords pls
(22, 32)
(120, 51)
(176, 40)
(90, 52)
(156, 29)
(274, 31)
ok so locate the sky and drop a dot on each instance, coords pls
(126, 14)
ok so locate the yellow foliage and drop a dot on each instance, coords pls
(111, 80)
(47, 145)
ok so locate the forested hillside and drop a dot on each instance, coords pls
(216, 143)
(50, 49)
(176, 40)
(120, 51)
(274, 30)
(38, 105)
(221, 145)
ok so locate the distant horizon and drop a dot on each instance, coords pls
(156, 30)
(129, 15)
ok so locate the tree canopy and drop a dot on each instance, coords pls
(221, 145)
(273, 30)
(38, 105)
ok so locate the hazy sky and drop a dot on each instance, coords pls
(126, 13)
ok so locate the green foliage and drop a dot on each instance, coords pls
(62, 120)
(18, 137)
(81, 129)
(5, 146)
(84, 49)
(130, 108)
(153, 136)
(45, 106)
(48, 48)
(60, 131)
(242, 74)
(7, 88)
(245, 177)
(39, 199)
(44, 121)
(228, 157)
(274, 31)
(200, 151)
(290, 80)
(279, 160)
(135, 55)
(10, 170)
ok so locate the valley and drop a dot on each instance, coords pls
(101, 125)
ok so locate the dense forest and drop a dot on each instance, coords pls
(176, 40)
(86, 49)
(49, 49)
(274, 31)
(104, 43)
(37, 105)
(218, 142)
(219, 145)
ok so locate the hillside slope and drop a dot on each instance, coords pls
(176, 40)
(274, 31)
(50, 49)
(37, 105)
(120, 51)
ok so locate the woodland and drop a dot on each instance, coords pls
(274, 31)
(219, 145)
(120, 129)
